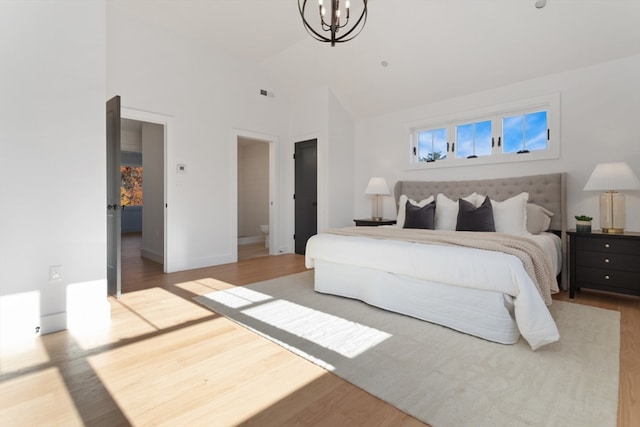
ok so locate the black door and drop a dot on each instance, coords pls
(306, 191)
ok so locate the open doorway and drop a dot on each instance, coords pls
(253, 198)
(142, 198)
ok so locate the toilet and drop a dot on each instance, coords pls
(265, 230)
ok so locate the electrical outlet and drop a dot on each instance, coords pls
(55, 273)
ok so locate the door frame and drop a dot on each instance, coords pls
(166, 122)
(273, 142)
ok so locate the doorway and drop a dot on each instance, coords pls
(306, 193)
(255, 230)
(142, 193)
(254, 197)
(137, 140)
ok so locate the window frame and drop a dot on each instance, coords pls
(549, 103)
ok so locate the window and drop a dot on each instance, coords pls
(525, 132)
(473, 139)
(518, 131)
(432, 145)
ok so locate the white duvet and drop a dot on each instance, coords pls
(456, 266)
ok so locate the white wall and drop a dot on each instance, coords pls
(52, 165)
(600, 108)
(153, 191)
(341, 160)
(207, 95)
(130, 140)
(318, 114)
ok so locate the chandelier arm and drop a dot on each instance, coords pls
(357, 24)
(302, 4)
(313, 33)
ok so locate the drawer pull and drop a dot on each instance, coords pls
(606, 245)
(606, 277)
(606, 260)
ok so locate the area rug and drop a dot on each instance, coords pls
(440, 376)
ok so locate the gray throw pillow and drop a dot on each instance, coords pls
(471, 218)
(420, 217)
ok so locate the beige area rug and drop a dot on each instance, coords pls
(440, 376)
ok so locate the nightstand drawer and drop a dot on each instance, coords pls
(609, 261)
(608, 278)
(608, 244)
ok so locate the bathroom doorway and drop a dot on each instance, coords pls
(254, 197)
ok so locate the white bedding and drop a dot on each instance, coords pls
(457, 267)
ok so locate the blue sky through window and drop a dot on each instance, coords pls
(525, 132)
(474, 139)
(432, 145)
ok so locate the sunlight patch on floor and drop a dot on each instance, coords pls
(343, 336)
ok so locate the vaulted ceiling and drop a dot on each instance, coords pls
(435, 49)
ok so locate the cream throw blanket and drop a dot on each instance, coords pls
(533, 258)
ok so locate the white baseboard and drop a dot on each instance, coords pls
(53, 323)
(182, 264)
(153, 256)
(250, 239)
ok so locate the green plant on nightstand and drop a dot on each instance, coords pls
(583, 223)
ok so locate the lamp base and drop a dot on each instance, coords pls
(612, 218)
(613, 230)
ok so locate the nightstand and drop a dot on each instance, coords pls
(373, 223)
(606, 262)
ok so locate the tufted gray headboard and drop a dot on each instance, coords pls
(547, 190)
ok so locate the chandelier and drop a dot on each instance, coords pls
(339, 26)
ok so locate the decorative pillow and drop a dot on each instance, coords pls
(420, 217)
(447, 211)
(538, 218)
(471, 218)
(402, 207)
(510, 216)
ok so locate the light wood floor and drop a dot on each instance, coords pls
(165, 360)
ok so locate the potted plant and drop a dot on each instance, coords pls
(583, 223)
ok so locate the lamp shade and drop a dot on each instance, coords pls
(612, 177)
(377, 185)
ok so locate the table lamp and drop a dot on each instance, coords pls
(378, 186)
(611, 178)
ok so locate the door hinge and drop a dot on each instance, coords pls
(548, 135)
(294, 156)
(294, 237)
(294, 197)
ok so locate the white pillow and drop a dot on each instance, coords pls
(447, 211)
(402, 207)
(538, 218)
(510, 216)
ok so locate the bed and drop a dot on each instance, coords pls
(454, 278)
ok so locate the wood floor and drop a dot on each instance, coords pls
(165, 360)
